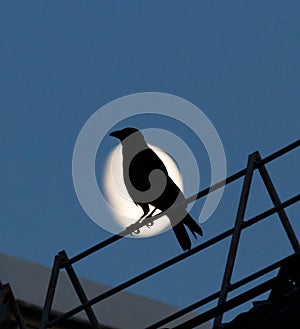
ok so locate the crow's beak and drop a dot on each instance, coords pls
(115, 134)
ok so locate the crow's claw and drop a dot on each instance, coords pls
(150, 224)
(130, 227)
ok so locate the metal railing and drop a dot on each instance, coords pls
(8, 298)
(255, 162)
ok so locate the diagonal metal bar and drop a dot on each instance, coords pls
(236, 234)
(280, 152)
(50, 293)
(174, 260)
(79, 290)
(276, 201)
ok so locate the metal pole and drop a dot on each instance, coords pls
(50, 292)
(276, 201)
(79, 290)
(236, 235)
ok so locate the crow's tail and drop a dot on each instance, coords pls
(192, 225)
(182, 236)
(181, 232)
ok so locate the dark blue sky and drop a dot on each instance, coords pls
(61, 61)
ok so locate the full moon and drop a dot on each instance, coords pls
(125, 211)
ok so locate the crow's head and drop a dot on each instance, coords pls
(126, 132)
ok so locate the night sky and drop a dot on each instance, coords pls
(61, 61)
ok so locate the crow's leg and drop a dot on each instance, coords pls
(149, 215)
(146, 209)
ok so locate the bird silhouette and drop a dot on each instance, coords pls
(148, 183)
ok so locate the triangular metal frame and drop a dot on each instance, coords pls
(254, 160)
(60, 262)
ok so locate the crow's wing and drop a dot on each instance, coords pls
(139, 170)
(141, 167)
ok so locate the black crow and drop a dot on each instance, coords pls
(148, 183)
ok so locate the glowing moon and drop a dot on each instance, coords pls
(124, 210)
